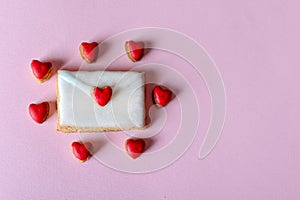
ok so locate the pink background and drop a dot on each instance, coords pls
(255, 45)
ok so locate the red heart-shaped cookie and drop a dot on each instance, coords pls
(135, 147)
(161, 96)
(42, 71)
(102, 95)
(89, 51)
(80, 151)
(39, 112)
(134, 50)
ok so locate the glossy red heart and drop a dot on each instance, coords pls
(135, 147)
(80, 151)
(161, 96)
(102, 95)
(41, 70)
(134, 50)
(39, 112)
(89, 51)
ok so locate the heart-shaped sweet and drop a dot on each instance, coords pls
(39, 112)
(135, 147)
(80, 151)
(102, 95)
(89, 51)
(42, 71)
(134, 50)
(161, 96)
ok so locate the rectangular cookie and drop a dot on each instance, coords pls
(78, 112)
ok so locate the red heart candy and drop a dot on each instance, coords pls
(89, 51)
(102, 95)
(161, 96)
(80, 151)
(39, 112)
(134, 50)
(135, 147)
(41, 70)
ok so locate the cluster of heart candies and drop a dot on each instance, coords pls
(42, 71)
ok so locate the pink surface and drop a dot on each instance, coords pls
(255, 44)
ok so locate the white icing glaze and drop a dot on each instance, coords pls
(66, 76)
(125, 110)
